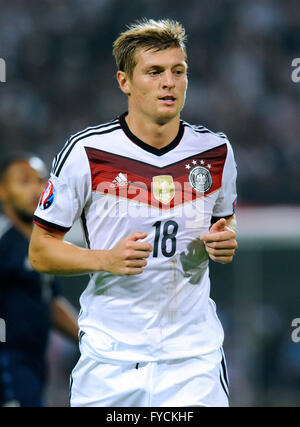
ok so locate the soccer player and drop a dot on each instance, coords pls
(29, 301)
(156, 197)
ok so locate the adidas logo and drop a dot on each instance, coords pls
(120, 181)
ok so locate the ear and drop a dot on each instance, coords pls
(124, 82)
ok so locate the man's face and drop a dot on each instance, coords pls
(158, 85)
(20, 189)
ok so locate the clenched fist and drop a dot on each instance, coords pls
(129, 255)
(220, 242)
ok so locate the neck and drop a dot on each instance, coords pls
(24, 227)
(156, 134)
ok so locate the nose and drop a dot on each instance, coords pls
(168, 80)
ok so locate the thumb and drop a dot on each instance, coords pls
(218, 226)
(137, 235)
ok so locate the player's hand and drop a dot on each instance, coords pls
(220, 242)
(129, 255)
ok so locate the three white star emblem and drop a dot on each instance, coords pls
(194, 162)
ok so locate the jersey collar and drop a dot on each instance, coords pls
(144, 145)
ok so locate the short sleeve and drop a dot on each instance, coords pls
(226, 201)
(67, 191)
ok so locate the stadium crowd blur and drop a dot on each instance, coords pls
(60, 78)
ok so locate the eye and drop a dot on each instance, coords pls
(154, 73)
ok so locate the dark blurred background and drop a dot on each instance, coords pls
(61, 79)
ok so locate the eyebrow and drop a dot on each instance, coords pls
(160, 67)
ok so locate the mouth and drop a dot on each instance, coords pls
(167, 100)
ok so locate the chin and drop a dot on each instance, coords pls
(166, 116)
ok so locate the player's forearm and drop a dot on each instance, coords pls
(53, 256)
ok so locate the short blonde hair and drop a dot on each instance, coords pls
(147, 34)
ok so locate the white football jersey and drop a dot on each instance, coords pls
(116, 185)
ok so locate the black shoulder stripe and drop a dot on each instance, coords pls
(59, 155)
(221, 135)
(193, 126)
(202, 129)
(71, 139)
(71, 146)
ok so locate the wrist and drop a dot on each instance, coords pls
(99, 259)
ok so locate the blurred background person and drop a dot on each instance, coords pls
(30, 303)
